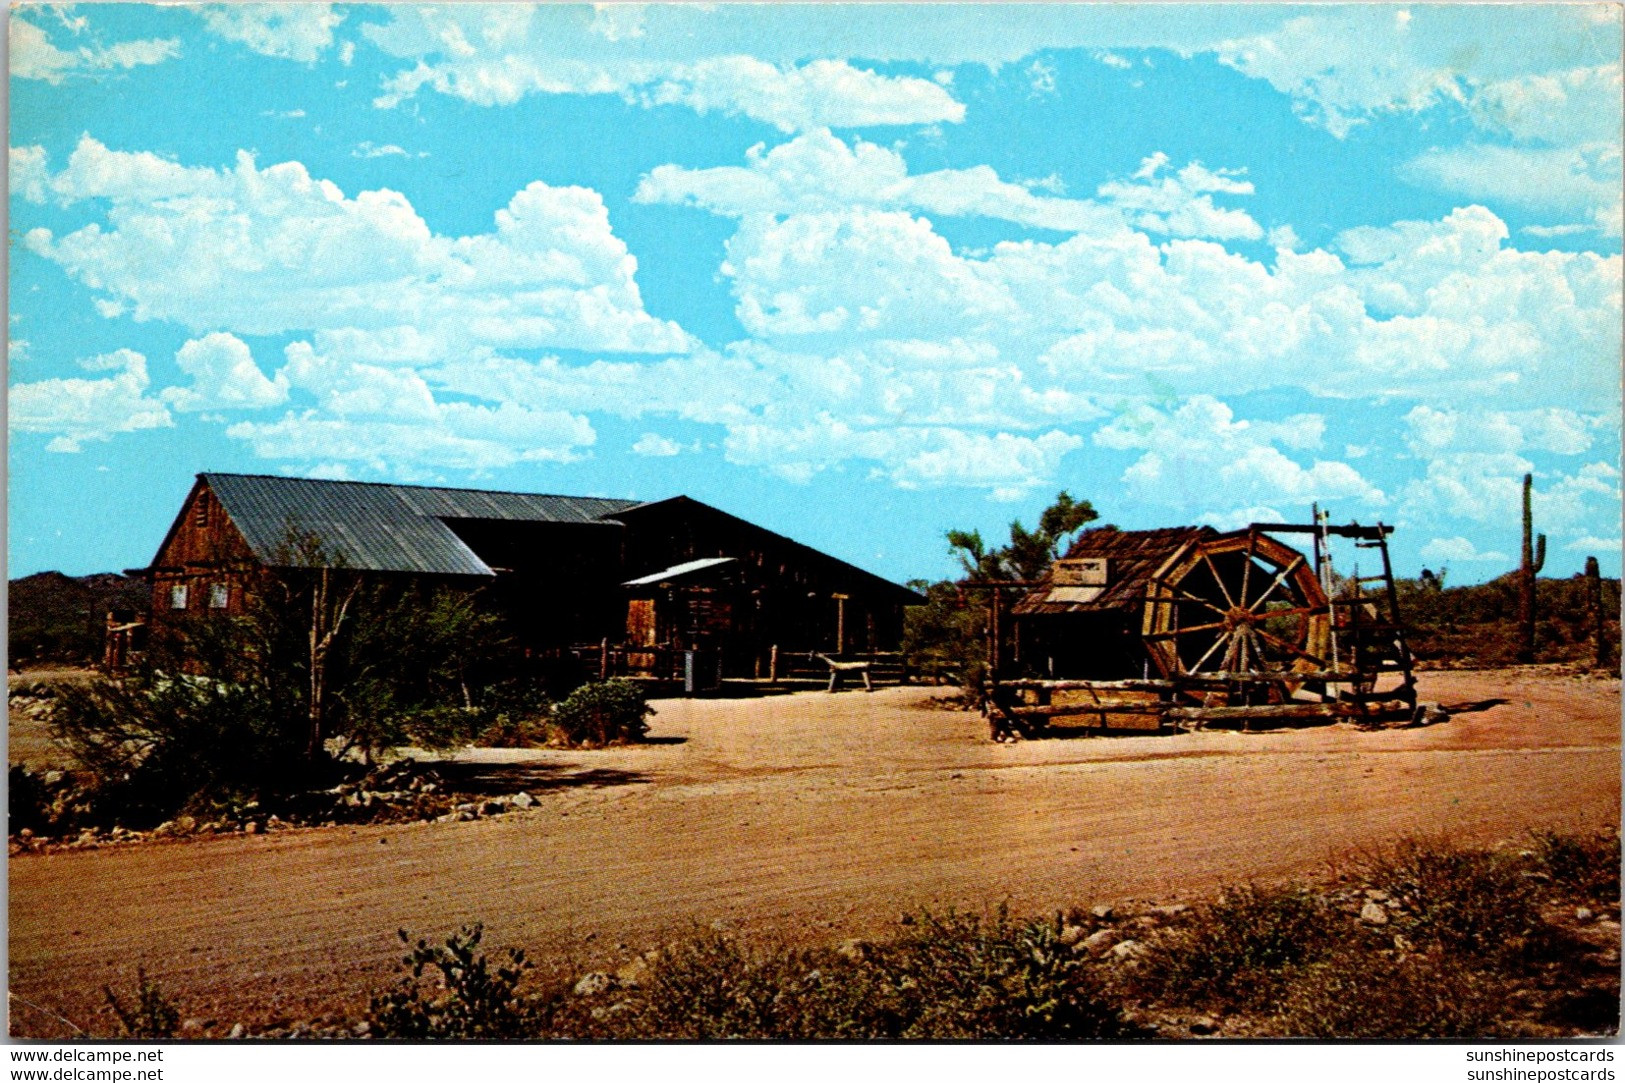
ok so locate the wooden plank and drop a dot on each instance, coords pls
(1373, 709)
(1054, 710)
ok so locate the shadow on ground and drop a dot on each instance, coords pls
(496, 779)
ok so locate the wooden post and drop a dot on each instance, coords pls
(603, 659)
(773, 665)
(840, 625)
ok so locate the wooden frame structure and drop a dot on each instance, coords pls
(1233, 629)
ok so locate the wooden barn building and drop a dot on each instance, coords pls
(654, 580)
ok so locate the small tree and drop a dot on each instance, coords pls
(1030, 552)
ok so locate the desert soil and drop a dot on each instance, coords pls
(807, 817)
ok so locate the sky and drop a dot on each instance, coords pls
(860, 275)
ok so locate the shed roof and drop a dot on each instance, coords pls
(389, 528)
(1132, 556)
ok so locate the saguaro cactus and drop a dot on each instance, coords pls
(1534, 559)
(1602, 657)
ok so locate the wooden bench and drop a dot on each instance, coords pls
(838, 669)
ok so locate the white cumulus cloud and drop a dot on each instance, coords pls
(224, 377)
(78, 410)
(301, 32)
(266, 251)
(34, 56)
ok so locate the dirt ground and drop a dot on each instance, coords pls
(808, 817)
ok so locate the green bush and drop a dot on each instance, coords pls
(1236, 951)
(474, 998)
(950, 977)
(1586, 865)
(603, 713)
(1365, 994)
(151, 1016)
(1480, 905)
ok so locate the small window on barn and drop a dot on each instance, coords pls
(219, 595)
(177, 596)
(200, 514)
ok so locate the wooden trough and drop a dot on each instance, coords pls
(1189, 627)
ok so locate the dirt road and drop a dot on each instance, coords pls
(812, 817)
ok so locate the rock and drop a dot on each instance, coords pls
(362, 1029)
(192, 1024)
(1376, 896)
(52, 778)
(1583, 913)
(1102, 912)
(1402, 943)
(523, 800)
(1171, 911)
(237, 1031)
(1127, 950)
(493, 808)
(1098, 941)
(252, 827)
(185, 824)
(594, 984)
(1071, 934)
(855, 950)
(1374, 914)
(633, 974)
(1204, 1024)
(26, 833)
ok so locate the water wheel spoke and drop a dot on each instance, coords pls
(1175, 633)
(1217, 578)
(1280, 578)
(1293, 648)
(1247, 568)
(1217, 643)
(1295, 611)
(1186, 596)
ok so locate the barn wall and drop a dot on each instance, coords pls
(204, 555)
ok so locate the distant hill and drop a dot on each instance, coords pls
(1478, 625)
(59, 618)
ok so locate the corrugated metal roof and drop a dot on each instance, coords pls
(1131, 557)
(677, 571)
(388, 528)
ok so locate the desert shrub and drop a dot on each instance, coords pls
(28, 801)
(1471, 903)
(472, 997)
(152, 1015)
(157, 744)
(944, 640)
(1366, 994)
(953, 976)
(603, 713)
(1586, 865)
(1236, 950)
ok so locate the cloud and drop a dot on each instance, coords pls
(818, 172)
(368, 149)
(77, 410)
(267, 251)
(653, 445)
(1563, 432)
(460, 437)
(494, 56)
(33, 56)
(224, 377)
(1199, 448)
(1461, 550)
(1418, 309)
(300, 32)
(1180, 203)
(1584, 179)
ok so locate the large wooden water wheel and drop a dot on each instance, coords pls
(1242, 608)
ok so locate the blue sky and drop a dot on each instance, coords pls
(859, 274)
